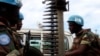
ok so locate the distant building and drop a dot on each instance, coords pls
(36, 39)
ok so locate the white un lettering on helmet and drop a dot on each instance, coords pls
(4, 39)
(77, 19)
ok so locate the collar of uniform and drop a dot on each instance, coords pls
(79, 33)
(82, 31)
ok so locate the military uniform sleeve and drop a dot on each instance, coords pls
(85, 40)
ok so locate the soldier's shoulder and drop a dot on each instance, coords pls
(88, 34)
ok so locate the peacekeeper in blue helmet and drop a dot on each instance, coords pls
(84, 41)
(32, 50)
(9, 12)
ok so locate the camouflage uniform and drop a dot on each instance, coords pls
(85, 37)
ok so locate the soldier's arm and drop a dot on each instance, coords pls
(78, 51)
(82, 47)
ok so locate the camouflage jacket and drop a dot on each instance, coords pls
(88, 38)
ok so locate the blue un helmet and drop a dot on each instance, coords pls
(12, 2)
(21, 17)
(77, 19)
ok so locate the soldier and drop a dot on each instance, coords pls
(32, 50)
(9, 10)
(85, 42)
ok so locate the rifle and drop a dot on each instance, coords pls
(27, 44)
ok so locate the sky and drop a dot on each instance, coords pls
(33, 11)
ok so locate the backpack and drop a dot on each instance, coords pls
(95, 45)
(96, 42)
